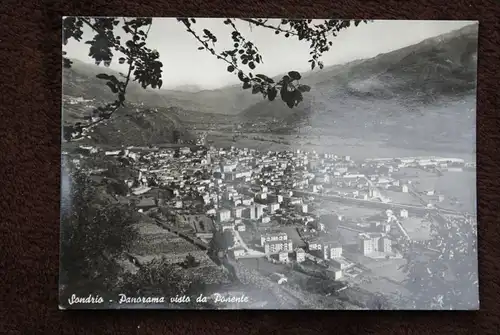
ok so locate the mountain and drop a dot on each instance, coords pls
(134, 125)
(437, 69)
(80, 81)
(187, 88)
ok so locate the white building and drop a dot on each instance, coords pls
(283, 256)
(404, 213)
(336, 251)
(272, 237)
(369, 243)
(274, 207)
(272, 247)
(224, 215)
(300, 255)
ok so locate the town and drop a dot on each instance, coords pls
(290, 214)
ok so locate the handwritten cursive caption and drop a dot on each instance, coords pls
(179, 299)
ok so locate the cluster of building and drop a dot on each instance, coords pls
(242, 188)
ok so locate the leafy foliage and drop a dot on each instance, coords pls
(159, 278)
(146, 69)
(93, 233)
(450, 280)
(222, 240)
(246, 54)
(143, 62)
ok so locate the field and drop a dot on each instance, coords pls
(383, 276)
(264, 266)
(460, 185)
(200, 223)
(417, 229)
(294, 236)
(348, 236)
(157, 243)
(351, 212)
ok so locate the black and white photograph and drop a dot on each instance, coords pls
(279, 164)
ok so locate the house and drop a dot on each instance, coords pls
(335, 273)
(273, 207)
(261, 195)
(272, 247)
(254, 211)
(335, 251)
(271, 237)
(238, 252)
(241, 227)
(331, 251)
(283, 256)
(227, 225)
(369, 243)
(385, 244)
(259, 210)
(238, 211)
(300, 255)
(224, 215)
(247, 201)
(185, 150)
(295, 201)
(314, 245)
(301, 207)
(340, 263)
(146, 204)
(265, 219)
(404, 213)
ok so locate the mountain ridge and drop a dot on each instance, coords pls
(438, 68)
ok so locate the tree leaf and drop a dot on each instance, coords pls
(241, 75)
(112, 86)
(265, 78)
(103, 76)
(256, 89)
(230, 68)
(246, 85)
(294, 75)
(304, 88)
(271, 93)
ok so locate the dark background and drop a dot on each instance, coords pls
(30, 93)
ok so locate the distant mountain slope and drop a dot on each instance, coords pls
(132, 125)
(80, 80)
(439, 68)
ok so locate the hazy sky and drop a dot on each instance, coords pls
(183, 64)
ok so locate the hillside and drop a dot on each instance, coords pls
(132, 125)
(441, 68)
(80, 80)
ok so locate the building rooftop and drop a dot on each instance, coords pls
(278, 242)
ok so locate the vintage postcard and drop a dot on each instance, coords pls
(239, 163)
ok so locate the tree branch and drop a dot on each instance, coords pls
(209, 49)
(269, 26)
(122, 90)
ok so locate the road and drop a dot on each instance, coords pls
(250, 252)
(388, 205)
